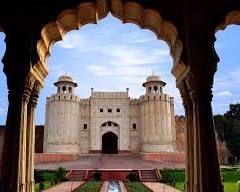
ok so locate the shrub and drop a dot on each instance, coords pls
(171, 176)
(41, 186)
(49, 176)
(60, 174)
(132, 177)
(97, 176)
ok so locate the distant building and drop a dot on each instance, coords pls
(109, 122)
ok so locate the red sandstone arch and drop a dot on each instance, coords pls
(128, 12)
(232, 18)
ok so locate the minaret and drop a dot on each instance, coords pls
(61, 133)
(156, 115)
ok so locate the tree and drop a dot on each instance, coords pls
(228, 128)
(222, 126)
(233, 113)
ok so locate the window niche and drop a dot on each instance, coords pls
(84, 126)
(64, 89)
(134, 126)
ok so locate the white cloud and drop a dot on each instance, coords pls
(224, 93)
(71, 41)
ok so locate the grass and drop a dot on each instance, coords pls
(48, 178)
(230, 178)
(93, 186)
(136, 186)
(47, 184)
(228, 186)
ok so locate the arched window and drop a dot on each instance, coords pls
(64, 89)
(70, 89)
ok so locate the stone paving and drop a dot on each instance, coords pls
(68, 186)
(117, 161)
(160, 187)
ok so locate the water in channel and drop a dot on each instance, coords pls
(113, 186)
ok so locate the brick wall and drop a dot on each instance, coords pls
(180, 127)
(39, 133)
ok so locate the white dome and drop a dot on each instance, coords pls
(65, 78)
(153, 78)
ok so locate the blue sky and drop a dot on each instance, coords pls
(112, 56)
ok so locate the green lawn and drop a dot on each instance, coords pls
(93, 186)
(228, 186)
(46, 185)
(230, 178)
(136, 186)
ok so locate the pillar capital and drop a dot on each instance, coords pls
(35, 94)
(22, 90)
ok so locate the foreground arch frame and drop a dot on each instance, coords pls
(189, 34)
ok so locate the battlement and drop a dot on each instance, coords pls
(109, 95)
(63, 96)
(134, 101)
(84, 102)
(162, 97)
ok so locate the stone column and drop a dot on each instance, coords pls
(187, 103)
(31, 138)
(206, 165)
(14, 155)
(196, 79)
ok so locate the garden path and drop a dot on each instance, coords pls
(65, 186)
(160, 187)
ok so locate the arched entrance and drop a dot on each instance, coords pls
(110, 143)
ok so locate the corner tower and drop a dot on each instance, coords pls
(157, 117)
(61, 133)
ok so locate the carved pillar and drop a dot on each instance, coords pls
(31, 138)
(195, 84)
(206, 165)
(14, 155)
(187, 103)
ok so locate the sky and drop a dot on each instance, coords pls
(112, 56)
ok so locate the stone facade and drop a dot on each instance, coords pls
(76, 125)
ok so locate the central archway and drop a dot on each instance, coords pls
(109, 143)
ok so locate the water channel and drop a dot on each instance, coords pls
(113, 186)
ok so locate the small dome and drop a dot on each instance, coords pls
(65, 78)
(153, 78)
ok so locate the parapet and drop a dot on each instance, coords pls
(162, 97)
(134, 101)
(63, 96)
(109, 95)
(84, 102)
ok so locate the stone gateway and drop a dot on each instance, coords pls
(109, 122)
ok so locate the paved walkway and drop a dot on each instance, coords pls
(119, 161)
(160, 187)
(68, 186)
(104, 186)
